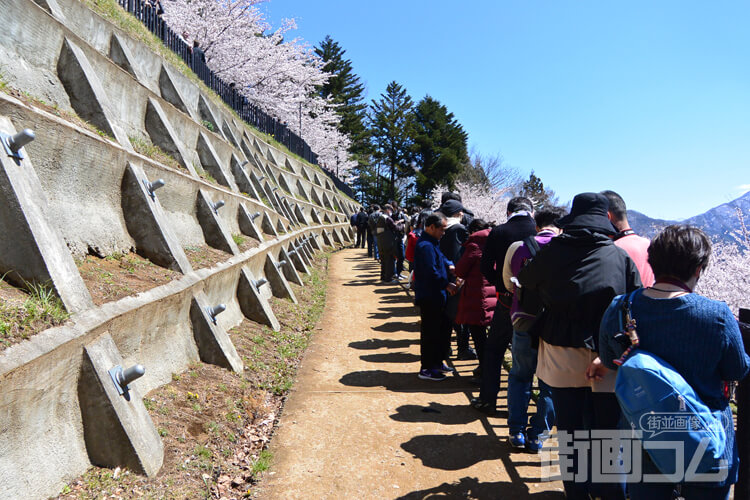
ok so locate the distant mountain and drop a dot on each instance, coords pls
(720, 223)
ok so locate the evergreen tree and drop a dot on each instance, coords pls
(439, 146)
(534, 190)
(347, 92)
(391, 126)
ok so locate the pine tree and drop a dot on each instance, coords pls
(346, 91)
(439, 145)
(391, 126)
(534, 190)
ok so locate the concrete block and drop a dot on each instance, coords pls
(242, 179)
(280, 227)
(336, 237)
(315, 216)
(268, 226)
(327, 238)
(214, 345)
(86, 92)
(304, 252)
(206, 113)
(162, 134)
(284, 184)
(289, 269)
(169, 92)
(301, 191)
(289, 212)
(121, 55)
(229, 134)
(148, 223)
(246, 221)
(279, 285)
(118, 430)
(300, 215)
(211, 164)
(253, 305)
(297, 260)
(215, 231)
(326, 218)
(316, 198)
(314, 243)
(32, 250)
(53, 8)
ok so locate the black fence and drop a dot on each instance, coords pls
(149, 13)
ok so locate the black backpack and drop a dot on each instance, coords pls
(529, 301)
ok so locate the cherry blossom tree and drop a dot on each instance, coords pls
(276, 73)
(488, 203)
(727, 277)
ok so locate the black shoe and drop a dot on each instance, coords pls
(486, 408)
(467, 354)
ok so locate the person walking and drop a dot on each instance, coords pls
(387, 233)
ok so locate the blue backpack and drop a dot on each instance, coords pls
(656, 400)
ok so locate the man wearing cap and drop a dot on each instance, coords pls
(451, 245)
(576, 275)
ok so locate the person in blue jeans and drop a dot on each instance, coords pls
(525, 433)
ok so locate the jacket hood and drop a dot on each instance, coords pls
(480, 237)
(583, 237)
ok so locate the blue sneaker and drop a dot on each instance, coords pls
(434, 375)
(534, 445)
(517, 440)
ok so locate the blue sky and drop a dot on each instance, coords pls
(650, 99)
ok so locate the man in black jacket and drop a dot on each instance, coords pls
(576, 276)
(361, 228)
(520, 225)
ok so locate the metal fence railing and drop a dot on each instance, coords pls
(146, 12)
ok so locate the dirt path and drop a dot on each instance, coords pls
(360, 424)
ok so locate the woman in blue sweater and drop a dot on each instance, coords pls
(698, 336)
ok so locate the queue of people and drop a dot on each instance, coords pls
(550, 285)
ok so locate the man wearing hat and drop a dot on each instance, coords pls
(576, 276)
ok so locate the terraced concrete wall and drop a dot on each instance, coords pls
(80, 190)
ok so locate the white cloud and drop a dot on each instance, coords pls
(743, 187)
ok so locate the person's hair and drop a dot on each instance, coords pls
(434, 219)
(547, 217)
(477, 225)
(678, 251)
(387, 206)
(422, 218)
(361, 209)
(449, 195)
(427, 204)
(195, 43)
(375, 207)
(616, 205)
(520, 203)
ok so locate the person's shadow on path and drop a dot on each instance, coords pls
(472, 488)
(374, 344)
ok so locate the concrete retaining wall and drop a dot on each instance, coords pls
(78, 191)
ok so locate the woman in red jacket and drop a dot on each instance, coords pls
(478, 299)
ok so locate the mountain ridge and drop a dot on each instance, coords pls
(720, 223)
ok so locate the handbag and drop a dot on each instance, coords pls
(657, 401)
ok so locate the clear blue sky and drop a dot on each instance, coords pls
(650, 99)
